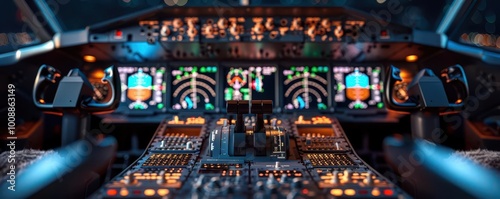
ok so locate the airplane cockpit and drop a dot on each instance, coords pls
(282, 99)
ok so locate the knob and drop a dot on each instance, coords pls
(325, 23)
(308, 140)
(228, 185)
(198, 183)
(131, 178)
(161, 179)
(214, 183)
(189, 145)
(347, 175)
(222, 23)
(368, 180)
(258, 29)
(259, 186)
(335, 178)
(284, 178)
(271, 182)
(297, 183)
(270, 24)
(177, 23)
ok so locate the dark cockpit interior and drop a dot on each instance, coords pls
(250, 99)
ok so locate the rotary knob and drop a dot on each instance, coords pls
(222, 23)
(258, 29)
(178, 23)
(270, 24)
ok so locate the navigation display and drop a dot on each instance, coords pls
(193, 87)
(305, 87)
(143, 88)
(358, 87)
(252, 82)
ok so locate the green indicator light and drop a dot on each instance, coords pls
(325, 69)
(313, 74)
(181, 68)
(297, 74)
(195, 69)
(209, 106)
(244, 90)
(178, 77)
(160, 106)
(246, 97)
(214, 69)
(380, 105)
(203, 70)
(292, 68)
(186, 74)
(290, 77)
(314, 69)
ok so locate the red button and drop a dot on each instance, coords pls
(362, 191)
(112, 192)
(388, 192)
(118, 33)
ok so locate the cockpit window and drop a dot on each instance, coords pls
(481, 26)
(77, 14)
(14, 32)
(411, 13)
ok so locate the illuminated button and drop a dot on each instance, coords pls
(375, 192)
(111, 192)
(163, 192)
(123, 192)
(149, 192)
(349, 192)
(336, 192)
(388, 192)
(411, 58)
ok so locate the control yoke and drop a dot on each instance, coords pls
(74, 98)
(428, 97)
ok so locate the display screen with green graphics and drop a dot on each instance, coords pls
(305, 87)
(251, 82)
(194, 87)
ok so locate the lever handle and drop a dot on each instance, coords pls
(113, 79)
(45, 77)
